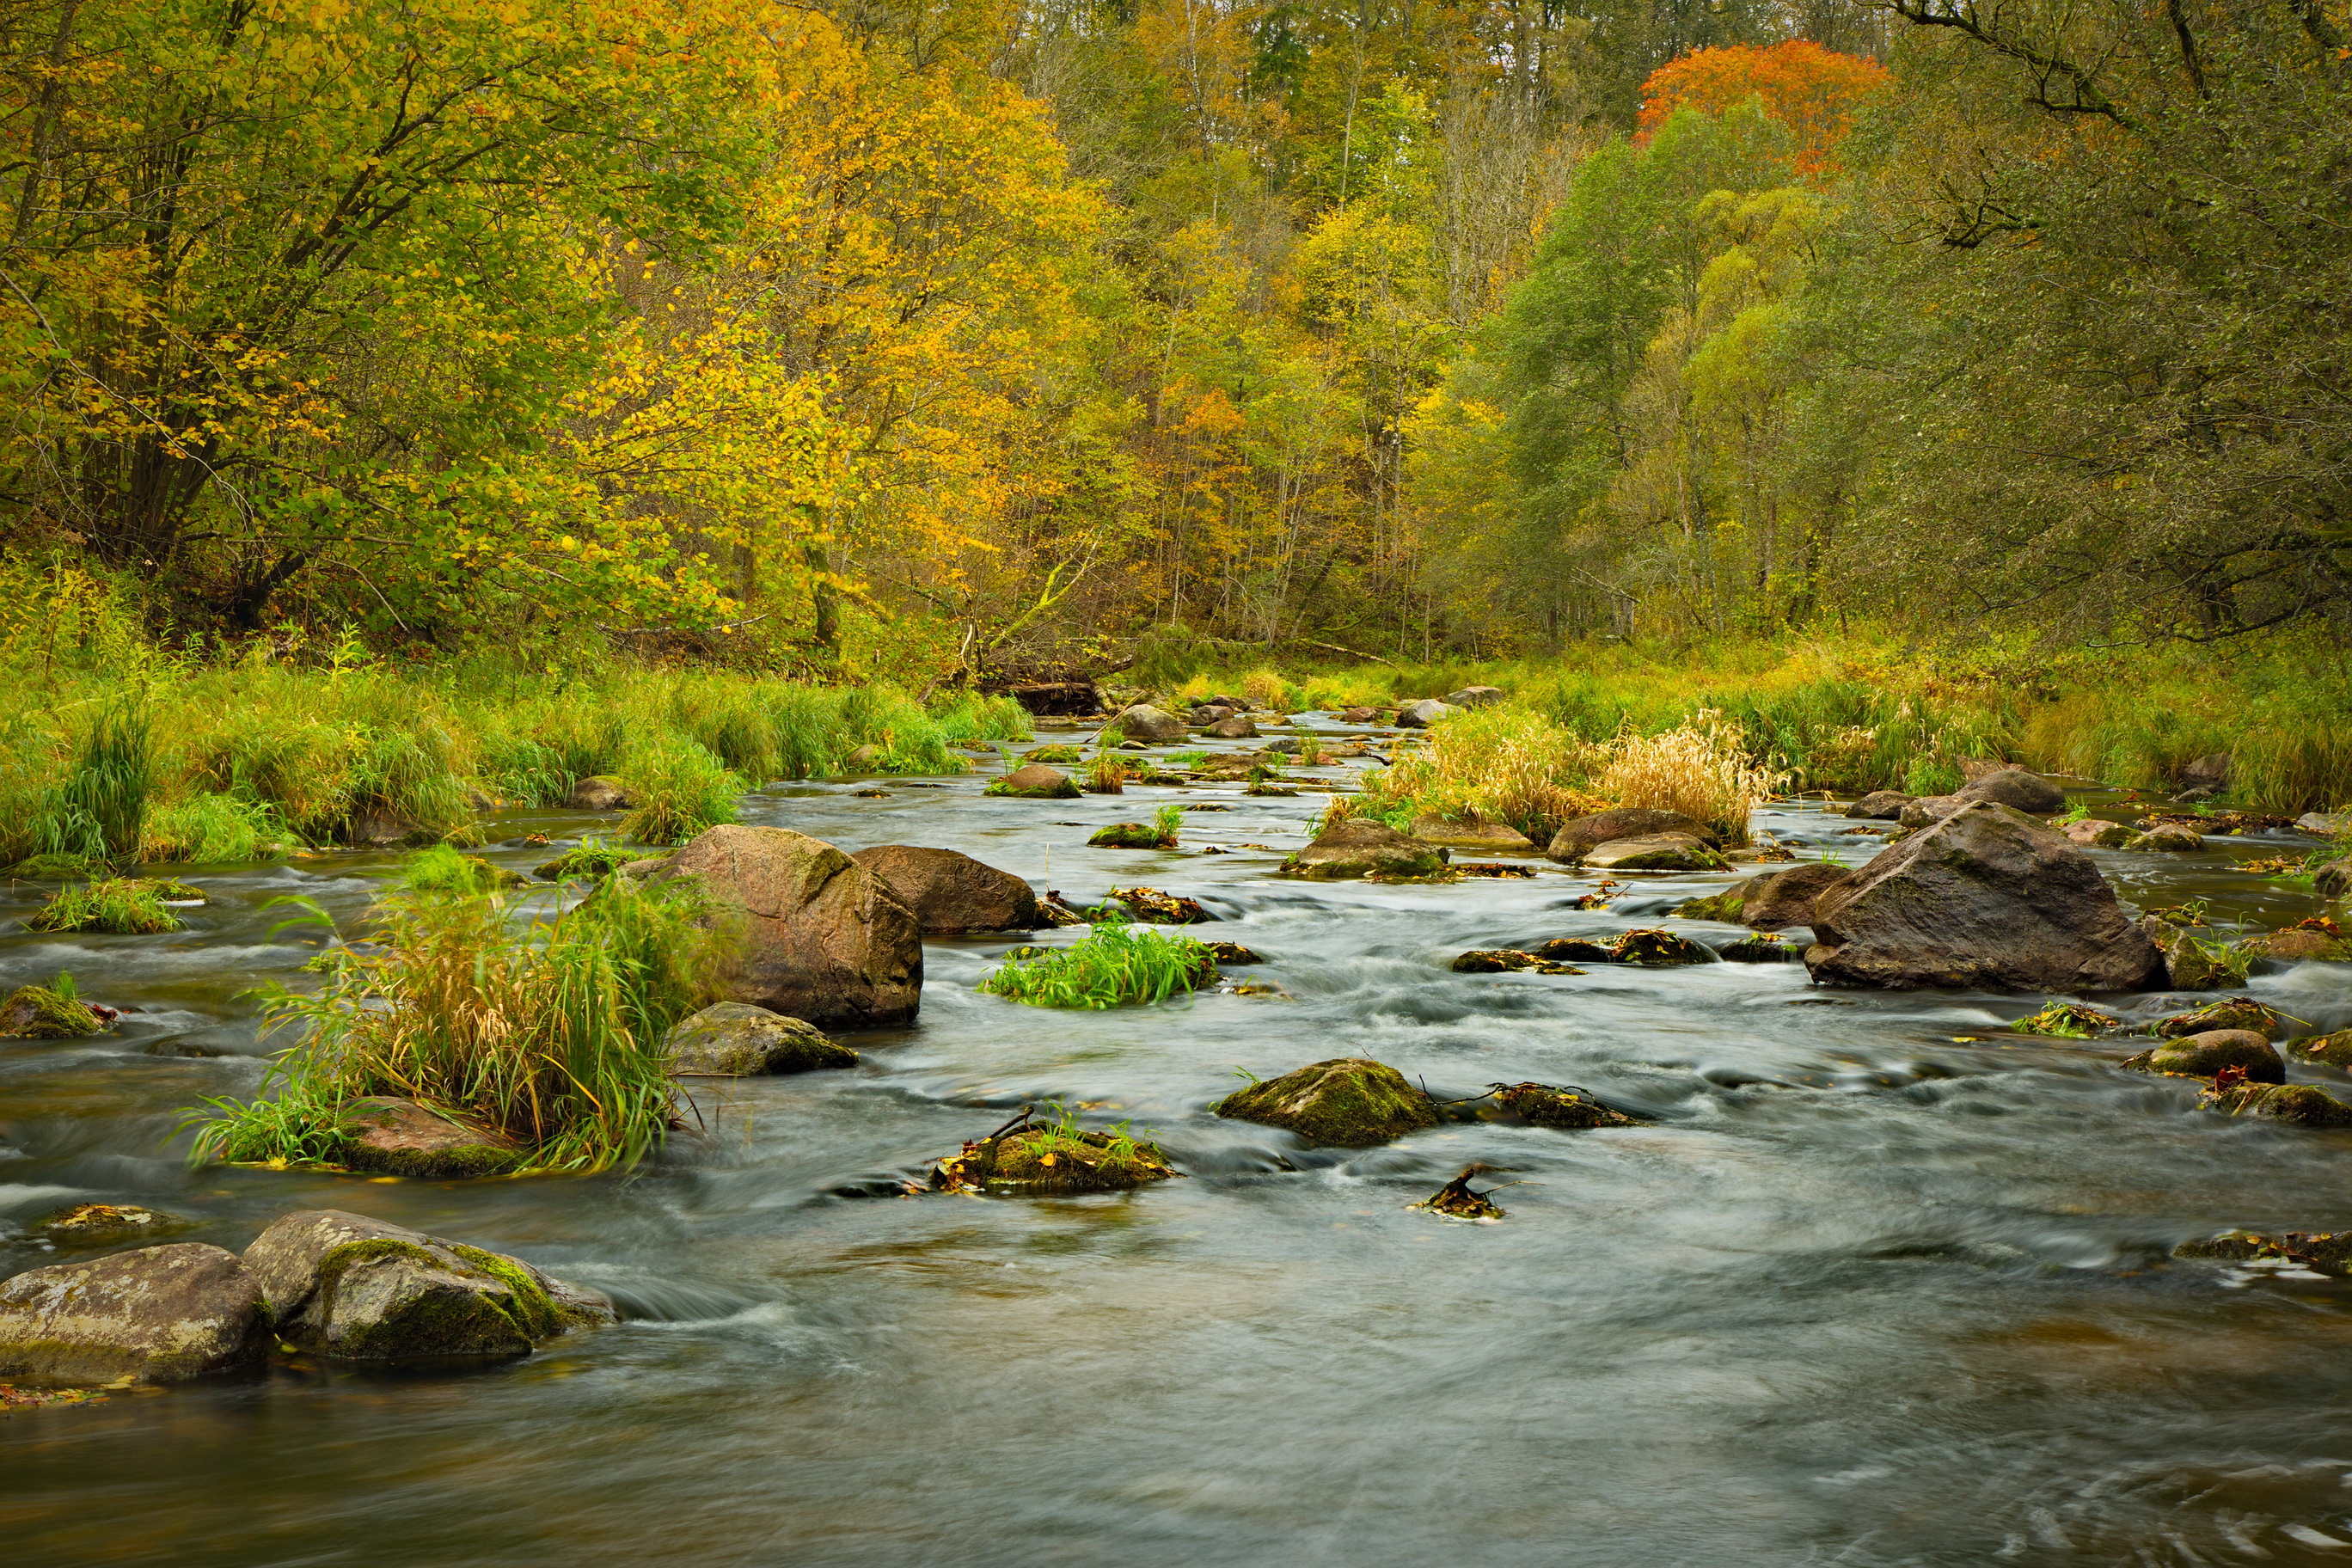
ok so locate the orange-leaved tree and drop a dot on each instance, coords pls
(1815, 92)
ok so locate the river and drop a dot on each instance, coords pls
(1879, 1284)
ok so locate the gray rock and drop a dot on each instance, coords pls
(1422, 714)
(1149, 725)
(1928, 809)
(599, 794)
(1879, 806)
(1475, 697)
(2210, 773)
(1494, 838)
(735, 1039)
(1361, 848)
(950, 892)
(1987, 897)
(1779, 899)
(363, 1290)
(1233, 727)
(2016, 788)
(1654, 852)
(820, 936)
(2326, 824)
(162, 1314)
(1581, 835)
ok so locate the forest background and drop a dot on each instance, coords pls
(1985, 352)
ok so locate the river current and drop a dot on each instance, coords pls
(1879, 1283)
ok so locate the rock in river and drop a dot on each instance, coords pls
(2304, 1104)
(1987, 897)
(1653, 852)
(735, 1039)
(1362, 848)
(1494, 838)
(1035, 781)
(2171, 838)
(1779, 899)
(951, 893)
(2202, 1056)
(1151, 725)
(1422, 714)
(363, 1290)
(1350, 1100)
(1577, 837)
(402, 1138)
(823, 938)
(161, 1313)
(38, 1012)
(2095, 833)
(1879, 806)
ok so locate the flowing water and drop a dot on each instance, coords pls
(1879, 1284)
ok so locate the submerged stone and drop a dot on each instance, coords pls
(363, 1290)
(1351, 1101)
(1234, 952)
(1546, 1105)
(2300, 1103)
(38, 1012)
(2093, 833)
(736, 1039)
(1652, 946)
(1764, 947)
(1456, 1200)
(104, 1224)
(162, 1314)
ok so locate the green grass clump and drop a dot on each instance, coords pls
(1116, 966)
(210, 828)
(679, 789)
(122, 905)
(552, 1033)
(590, 858)
(442, 869)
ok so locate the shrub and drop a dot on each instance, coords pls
(1115, 966)
(552, 1033)
(679, 789)
(1701, 770)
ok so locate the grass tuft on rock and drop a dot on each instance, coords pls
(678, 789)
(124, 906)
(1116, 966)
(551, 1032)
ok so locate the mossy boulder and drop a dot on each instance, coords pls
(38, 1012)
(1149, 725)
(1776, 900)
(1764, 947)
(2300, 1103)
(1361, 848)
(1130, 836)
(403, 1138)
(1351, 1101)
(1035, 781)
(2334, 1049)
(2205, 1055)
(2333, 880)
(1652, 946)
(2229, 1013)
(2190, 963)
(1548, 1105)
(1722, 907)
(2172, 838)
(1504, 960)
(1051, 1160)
(160, 1314)
(736, 1039)
(362, 1289)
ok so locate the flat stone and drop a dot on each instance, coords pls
(1495, 837)
(736, 1039)
(402, 1138)
(162, 1314)
(1657, 852)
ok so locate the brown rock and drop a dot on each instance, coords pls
(1359, 716)
(1928, 809)
(2171, 838)
(950, 892)
(1581, 835)
(1779, 899)
(2304, 1104)
(1653, 852)
(1495, 837)
(162, 1314)
(1151, 725)
(1233, 727)
(1035, 781)
(2016, 788)
(402, 1138)
(1988, 897)
(1360, 848)
(735, 1039)
(1879, 806)
(2093, 833)
(2202, 1056)
(823, 938)
(598, 794)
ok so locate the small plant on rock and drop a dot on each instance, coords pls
(1116, 966)
(124, 906)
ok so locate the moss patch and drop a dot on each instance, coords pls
(38, 1012)
(1351, 1101)
(1545, 1105)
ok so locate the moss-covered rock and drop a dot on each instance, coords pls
(2190, 961)
(2170, 838)
(1035, 781)
(38, 1012)
(56, 867)
(1130, 836)
(1653, 946)
(1049, 1159)
(2203, 1056)
(2300, 1103)
(362, 1289)
(1351, 1101)
(2231, 1013)
(2334, 1049)
(1657, 852)
(1550, 1105)
(1724, 907)
(1502, 960)
(736, 1039)
(160, 1314)
(1764, 947)
(1361, 848)
(1067, 755)
(1573, 950)
(587, 862)
(404, 1138)
(108, 1224)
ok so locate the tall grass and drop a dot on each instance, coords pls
(1490, 765)
(1701, 770)
(679, 788)
(209, 829)
(551, 1032)
(1114, 967)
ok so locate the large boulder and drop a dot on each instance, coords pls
(735, 1039)
(1232, 727)
(1422, 714)
(2203, 1056)
(1475, 697)
(1581, 835)
(1362, 848)
(161, 1313)
(363, 1289)
(1349, 1101)
(1151, 725)
(1035, 781)
(821, 937)
(1879, 806)
(1988, 897)
(402, 1138)
(1779, 899)
(2016, 788)
(1494, 838)
(950, 892)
